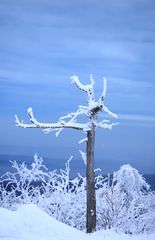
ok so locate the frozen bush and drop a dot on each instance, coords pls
(124, 199)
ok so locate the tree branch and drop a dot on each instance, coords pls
(69, 121)
(88, 88)
(101, 99)
(105, 109)
(58, 125)
(106, 125)
(81, 86)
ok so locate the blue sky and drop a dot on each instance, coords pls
(43, 43)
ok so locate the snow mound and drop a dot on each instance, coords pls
(29, 222)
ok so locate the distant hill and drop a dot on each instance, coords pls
(51, 164)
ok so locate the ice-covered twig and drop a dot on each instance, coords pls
(106, 125)
(105, 109)
(73, 116)
(81, 86)
(31, 116)
(83, 140)
(83, 155)
(88, 88)
(58, 132)
(101, 99)
(92, 80)
(104, 87)
(57, 125)
(97, 170)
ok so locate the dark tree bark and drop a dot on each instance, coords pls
(90, 183)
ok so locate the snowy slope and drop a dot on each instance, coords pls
(31, 223)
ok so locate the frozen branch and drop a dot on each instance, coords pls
(83, 140)
(58, 125)
(81, 86)
(91, 111)
(83, 155)
(93, 107)
(101, 100)
(88, 88)
(73, 116)
(92, 80)
(106, 125)
(105, 109)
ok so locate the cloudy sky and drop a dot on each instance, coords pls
(44, 42)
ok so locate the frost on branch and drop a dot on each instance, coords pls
(83, 140)
(83, 155)
(94, 107)
(71, 120)
(50, 126)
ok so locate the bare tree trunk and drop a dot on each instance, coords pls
(90, 183)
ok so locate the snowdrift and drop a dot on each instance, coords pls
(31, 223)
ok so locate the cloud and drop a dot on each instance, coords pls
(15, 77)
(61, 35)
(130, 84)
(137, 120)
(50, 40)
(135, 117)
(44, 42)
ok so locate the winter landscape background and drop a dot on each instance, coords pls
(124, 202)
(42, 44)
(51, 164)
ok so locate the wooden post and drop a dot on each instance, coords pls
(90, 183)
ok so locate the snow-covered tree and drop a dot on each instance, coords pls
(127, 203)
(91, 111)
(133, 193)
(53, 191)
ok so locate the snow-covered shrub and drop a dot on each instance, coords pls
(124, 199)
(25, 185)
(55, 193)
(126, 203)
(67, 202)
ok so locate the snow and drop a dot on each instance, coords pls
(84, 157)
(83, 140)
(30, 223)
(85, 88)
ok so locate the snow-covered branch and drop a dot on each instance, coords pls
(105, 109)
(91, 111)
(106, 125)
(81, 86)
(58, 125)
(101, 99)
(84, 157)
(88, 88)
(94, 107)
(83, 140)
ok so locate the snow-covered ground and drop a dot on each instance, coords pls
(31, 223)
